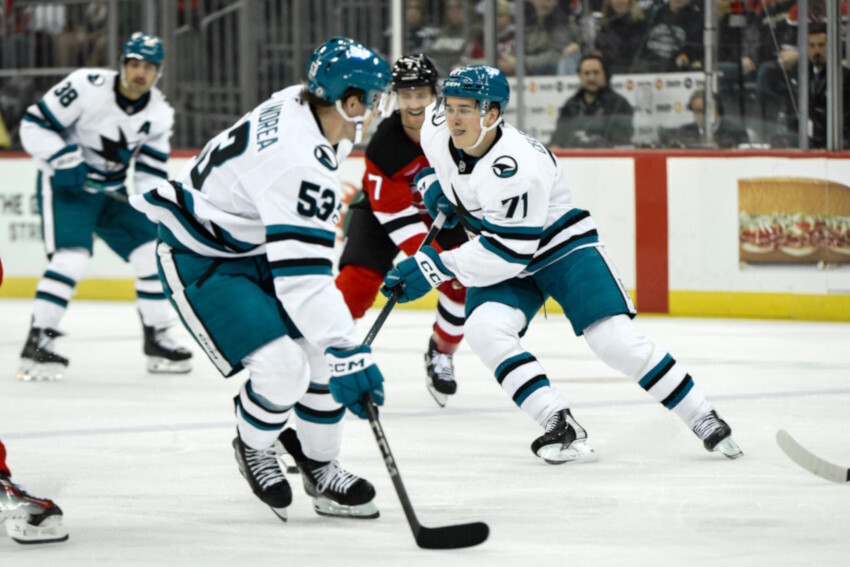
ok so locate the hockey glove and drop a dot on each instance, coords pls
(415, 276)
(69, 169)
(432, 195)
(353, 374)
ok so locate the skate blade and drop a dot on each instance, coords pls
(729, 448)
(50, 530)
(44, 372)
(280, 513)
(439, 397)
(327, 507)
(577, 451)
(159, 365)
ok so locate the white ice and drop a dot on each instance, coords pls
(143, 469)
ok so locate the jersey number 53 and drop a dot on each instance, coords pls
(313, 201)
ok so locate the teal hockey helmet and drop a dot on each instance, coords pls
(145, 47)
(480, 82)
(342, 63)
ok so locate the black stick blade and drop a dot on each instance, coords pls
(452, 537)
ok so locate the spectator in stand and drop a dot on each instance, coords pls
(419, 33)
(552, 39)
(451, 46)
(674, 37)
(817, 92)
(727, 132)
(775, 75)
(621, 35)
(505, 40)
(737, 44)
(770, 16)
(596, 116)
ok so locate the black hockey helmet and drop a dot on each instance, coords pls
(414, 71)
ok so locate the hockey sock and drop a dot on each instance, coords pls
(3, 468)
(258, 420)
(153, 306)
(67, 266)
(620, 344)
(523, 378)
(279, 378)
(318, 417)
(359, 286)
(448, 328)
(673, 387)
(492, 331)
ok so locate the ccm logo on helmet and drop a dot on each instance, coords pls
(504, 166)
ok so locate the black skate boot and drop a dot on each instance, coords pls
(29, 519)
(717, 435)
(564, 441)
(335, 491)
(38, 361)
(164, 355)
(262, 471)
(441, 374)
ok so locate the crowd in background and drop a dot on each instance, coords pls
(757, 48)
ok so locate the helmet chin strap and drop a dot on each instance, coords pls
(485, 129)
(357, 120)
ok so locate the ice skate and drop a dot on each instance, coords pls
(164, 355)
(717, 435)
(335, 491)
(263, 473)
(38, 361)
(440, 378)
(564, 441)
(29, 519)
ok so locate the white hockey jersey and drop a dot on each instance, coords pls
(86, 110)
(268, 185)
(514, 200)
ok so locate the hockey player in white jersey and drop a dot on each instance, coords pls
(83, 134)
(246, 247)
(531, 243)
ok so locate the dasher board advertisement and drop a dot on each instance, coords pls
(793, 220)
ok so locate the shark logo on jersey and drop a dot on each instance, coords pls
(96, 79)
(326, 156)
(116, 151)
(504, 167)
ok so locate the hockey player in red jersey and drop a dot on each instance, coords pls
(389, 216)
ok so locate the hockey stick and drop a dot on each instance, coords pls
(393, 299)
(809, 461)
(446, 537)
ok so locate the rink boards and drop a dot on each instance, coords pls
(671, 221)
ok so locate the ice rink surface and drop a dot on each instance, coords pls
(143, 468)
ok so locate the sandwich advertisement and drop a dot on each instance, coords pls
(791, 220)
